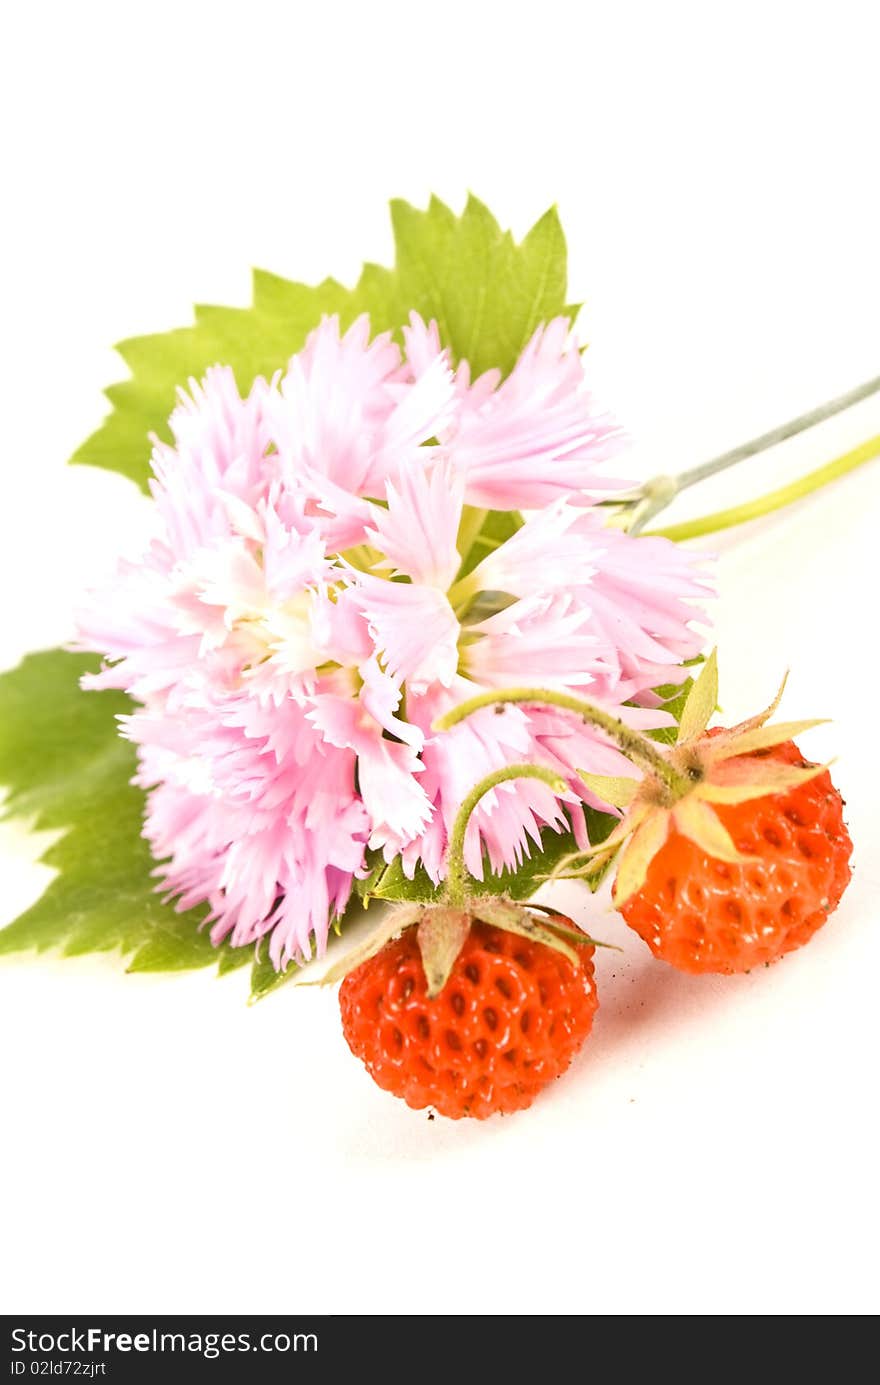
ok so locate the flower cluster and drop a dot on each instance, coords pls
(339, 558)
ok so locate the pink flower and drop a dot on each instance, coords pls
(537, 437)
(272, 844)
(310, 603)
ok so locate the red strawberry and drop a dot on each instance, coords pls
(508, 1008)
(704, 914)
(734, 849)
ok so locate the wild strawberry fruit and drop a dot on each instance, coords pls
(705, 914)
(734, 851)
(471, 1010)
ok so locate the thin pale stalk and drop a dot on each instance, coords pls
(778, 435)
(659, 492)
(773, 500)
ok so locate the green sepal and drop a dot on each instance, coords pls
(571, 935)
(673, 697)
(761, 737)
(700, 703)
(502, 913)
(388, 927)
(619, 791)
(441, 935)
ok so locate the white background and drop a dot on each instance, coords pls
(167, 1148)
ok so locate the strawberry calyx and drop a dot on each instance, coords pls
(712, 767)
(441, 931)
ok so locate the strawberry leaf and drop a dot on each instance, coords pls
(67, 770)
(487, 294)
(264, 978)
(521, 884)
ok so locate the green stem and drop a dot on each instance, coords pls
(636, 747)
(472, 521)
(462, 592)
(455, 892)
(774, 500)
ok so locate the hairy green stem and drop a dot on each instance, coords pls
(773, 500)
(456, 871)
(636, 747)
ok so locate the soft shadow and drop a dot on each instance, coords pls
(641, 1001)
(638, 993)
(379, 1127)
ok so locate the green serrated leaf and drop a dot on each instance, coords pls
(487, 294)
(395, 885)
(254, 341)
(519, 885)
(233, 959)
(66, 769)
(264, 978)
